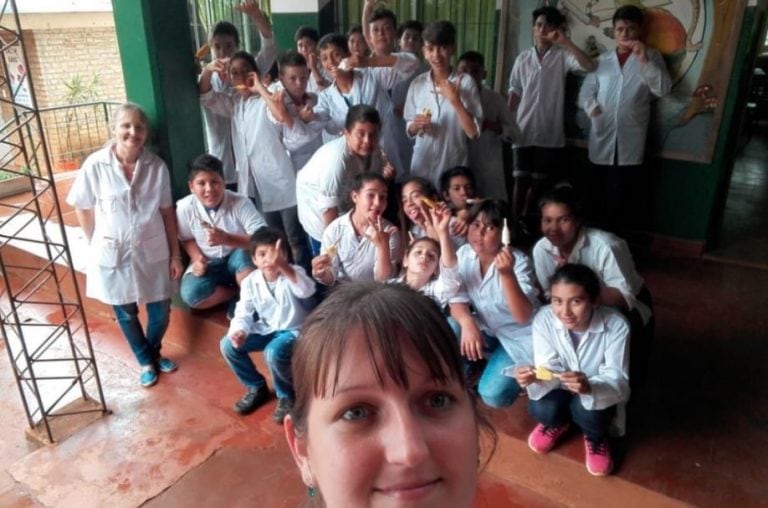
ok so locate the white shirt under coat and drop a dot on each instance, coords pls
(301, 139)
(321, 183)
(486, 295)
(236, 214)
(264, 168)
(445, 145)
(218, 128)
(356, 256)
(602, 355)
(540, 84)
(129, 252)
(624, 94)
(278, 308)
(606, 254)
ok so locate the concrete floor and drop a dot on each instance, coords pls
(696, 431)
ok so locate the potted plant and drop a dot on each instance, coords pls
(12, 183)
(78, 91)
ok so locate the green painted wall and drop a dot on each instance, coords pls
(284, 26)
(156, 50)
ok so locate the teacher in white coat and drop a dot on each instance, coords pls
(617, 97)
(122, 199)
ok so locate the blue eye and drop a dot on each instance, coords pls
(355, 413)
(440, 401)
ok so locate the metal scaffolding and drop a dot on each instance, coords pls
(52, 357)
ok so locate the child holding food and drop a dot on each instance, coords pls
(581, 352)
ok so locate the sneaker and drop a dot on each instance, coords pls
(543, 437)
(231, 308)
(166, 365)
(598, 457)
(148, 376)
(252, 399)
(284, 407)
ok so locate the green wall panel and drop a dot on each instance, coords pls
(285, 25)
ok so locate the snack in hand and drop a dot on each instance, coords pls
(506, 235)
(331, 251)
(428, 202)
(241, 88)
(544, 374)
(426, 112)
(203, 52)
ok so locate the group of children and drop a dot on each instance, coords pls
(326, 193)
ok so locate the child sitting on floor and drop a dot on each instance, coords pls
(581, 350)
(215, 225)
(274, 290)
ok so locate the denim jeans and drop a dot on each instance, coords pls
(145, 345)
(277, 347)
(314, 245)
(220, 272)
(287, 220)
(559, 407)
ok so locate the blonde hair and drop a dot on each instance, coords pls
(128, 107)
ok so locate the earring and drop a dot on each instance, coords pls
(311, 491)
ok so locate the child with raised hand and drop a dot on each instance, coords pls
(215, 226)
(418, 196)
(274, 291)
(442, 109)
(429, 265)
(224, 41)
(306, 39)
(457, 186)
(265, 171)
(356, 41)
(122, 199)
(581, 353)
(486, 152)
(498, 281)
(360, 245)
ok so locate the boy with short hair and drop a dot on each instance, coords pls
(442, 108)
(274, 291)
(215, 225)
(379, 27)
(224, 41)
(486, 152)
(306, 44)
(409, 41)
(537, 96)
(617, 98)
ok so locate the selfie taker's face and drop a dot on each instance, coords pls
(374, 443)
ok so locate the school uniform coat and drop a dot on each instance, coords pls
(129, 257)
(624, 94)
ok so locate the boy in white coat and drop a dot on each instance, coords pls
(274, 291)
(617, 97)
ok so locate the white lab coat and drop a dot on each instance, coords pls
(264, 169)
(278, 309)
(129, 252)
(404, 143)
(236, 214)
(302, 139)
(321, 183)
(218, 128)
(442, 288)
(602, 355)
(541, 88)
(624, 95)
(370, 86)
(445, 145)
(487, 297)
(486, 153)
(606, 254)
(355, 258)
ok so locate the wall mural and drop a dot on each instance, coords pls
(697, 39)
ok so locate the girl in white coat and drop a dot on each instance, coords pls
(581, 351)
(264, 168)
(122, 199)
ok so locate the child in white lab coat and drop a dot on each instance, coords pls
(122, 199)
(306, 39)
(224, 41)
(417, 197)
(275, 292)
(498, 282)
(486, 152)
(442, 108)
(581, 354)
(457, 186)
(360, 245)
(265, 171)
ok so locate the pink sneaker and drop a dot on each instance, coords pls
(543, 438)
(598, 457)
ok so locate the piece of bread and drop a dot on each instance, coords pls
(428, 202)
(544, 374)
(203, 51)
(331, 251)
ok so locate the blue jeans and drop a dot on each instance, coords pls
(559, 407)
(277, 347)
(496, 389)
(145, 345)
(220, 272)
(314, 245)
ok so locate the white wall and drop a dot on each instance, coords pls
(51, 6)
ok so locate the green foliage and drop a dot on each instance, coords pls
(80, 90)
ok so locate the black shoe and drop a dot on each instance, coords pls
(254, 398)
(284, 407)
